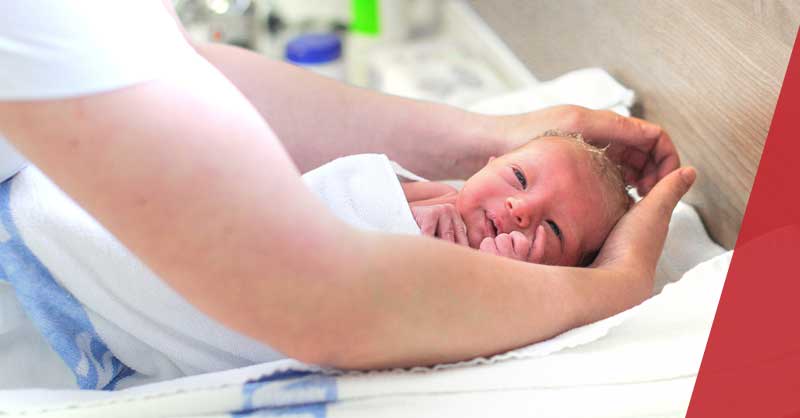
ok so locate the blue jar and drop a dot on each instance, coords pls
(318, 52)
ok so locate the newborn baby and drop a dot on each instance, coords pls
(552, 201)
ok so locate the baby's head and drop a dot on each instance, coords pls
(557, 181)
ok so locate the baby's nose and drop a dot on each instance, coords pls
(518, 211)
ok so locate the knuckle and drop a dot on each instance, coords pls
(572, 118)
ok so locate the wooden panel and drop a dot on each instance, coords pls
(708, 71)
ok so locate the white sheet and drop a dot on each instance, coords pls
(645, 366)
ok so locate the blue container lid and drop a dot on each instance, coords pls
(317, 48)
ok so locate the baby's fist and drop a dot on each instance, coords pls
(514, 245)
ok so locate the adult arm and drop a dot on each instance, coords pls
(198, 186)
(319, 119)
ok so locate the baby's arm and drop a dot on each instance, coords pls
(426, 193)
(434, 210)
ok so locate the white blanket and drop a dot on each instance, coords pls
(363, 191)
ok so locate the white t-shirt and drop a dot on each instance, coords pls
(54, 49)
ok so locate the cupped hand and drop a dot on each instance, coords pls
(441, 221)
(634, 245)
(644, 150)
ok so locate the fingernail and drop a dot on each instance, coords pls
(689, 175)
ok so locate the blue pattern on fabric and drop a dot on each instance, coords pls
(288, 393)
(55, 312)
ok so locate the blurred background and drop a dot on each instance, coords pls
(438, 50)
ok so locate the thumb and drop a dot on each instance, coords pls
(641, 232)
(664, 196)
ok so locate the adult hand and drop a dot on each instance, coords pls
(441, 221)
(634, 245)
(644, 150)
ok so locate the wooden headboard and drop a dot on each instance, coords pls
(708, 71)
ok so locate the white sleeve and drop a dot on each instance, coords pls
(53, 49)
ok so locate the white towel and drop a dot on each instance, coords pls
(589, 87)
(363, 190)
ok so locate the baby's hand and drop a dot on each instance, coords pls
(441, 221)
(516, 245)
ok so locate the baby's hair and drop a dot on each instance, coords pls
(608, 170)
(618, 201)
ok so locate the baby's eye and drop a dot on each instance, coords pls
(521, 177)
(555, 228)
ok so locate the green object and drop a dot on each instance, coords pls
(366, 17)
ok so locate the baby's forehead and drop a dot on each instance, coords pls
(564, 148)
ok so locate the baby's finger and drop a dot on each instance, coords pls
(445, 229)
(537, 249)
(521, 244)
(488, 245)
(505, 246)
(427, 225)
(461, 231)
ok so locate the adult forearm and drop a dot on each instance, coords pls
(451, 303)
(319, 119)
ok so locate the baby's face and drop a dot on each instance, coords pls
(549, 182)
